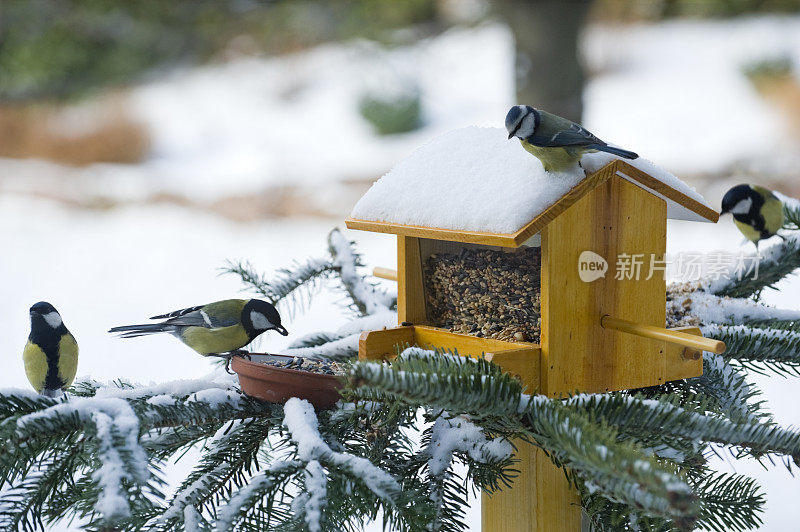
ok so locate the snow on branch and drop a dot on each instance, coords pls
(710, 308)
(483, 392)
(459, 435)
(246, 497)
(115, 427)
(312, 501)
(759, 348)
(728, 386)
(303, 426)
(642, 415)
(775, 263)
(368, 298)
(344, 342)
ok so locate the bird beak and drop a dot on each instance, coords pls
(510, 135)
(281, 329)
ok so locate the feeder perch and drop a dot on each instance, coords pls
(600, 335)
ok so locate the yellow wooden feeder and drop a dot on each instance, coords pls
(603, 335)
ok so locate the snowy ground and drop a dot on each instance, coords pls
(674, 92)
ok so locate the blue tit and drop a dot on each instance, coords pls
(557, 142)
(51, 354)
(756, 211)
(215, 328)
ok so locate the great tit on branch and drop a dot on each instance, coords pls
(756, 211)
(215, 328)
(51, 354)
(557, 142)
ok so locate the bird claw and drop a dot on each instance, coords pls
(229, 356)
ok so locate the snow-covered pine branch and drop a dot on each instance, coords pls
(776, 262)
(343, 344)
(291, 286)
(366, 297)
(758, 348)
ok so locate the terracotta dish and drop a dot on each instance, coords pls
(277, 385)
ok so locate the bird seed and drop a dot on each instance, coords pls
(486, 293)
(312, 365)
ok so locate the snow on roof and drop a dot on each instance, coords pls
(475, 179)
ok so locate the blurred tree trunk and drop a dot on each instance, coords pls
(549, 74)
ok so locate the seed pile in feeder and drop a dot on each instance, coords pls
(487, 293)
(313, 365)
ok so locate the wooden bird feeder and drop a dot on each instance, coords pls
(602, 335)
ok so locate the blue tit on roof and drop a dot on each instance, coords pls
(557, 142)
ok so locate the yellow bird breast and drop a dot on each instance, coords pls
(554, 159)
(206, 341)
(749, 232)
(35, 365)
(67, 359)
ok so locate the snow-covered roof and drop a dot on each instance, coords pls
(476, 180)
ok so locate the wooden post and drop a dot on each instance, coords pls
(540, 499)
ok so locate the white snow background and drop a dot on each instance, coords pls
(673, 92)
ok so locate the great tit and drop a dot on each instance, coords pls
(51, 354)
(756, 211)
(215, 328)
(557, 142)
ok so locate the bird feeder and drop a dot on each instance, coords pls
(472, 211)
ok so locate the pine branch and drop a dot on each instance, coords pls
(727, 386)
(777, 261)
(294, 285)
(483, 391)
(729, 501)
(255, 506)
(452, 439)
(782, 325)
(760, 349)
(96, 440)
(366, 297)
(341, 349)
(24, 501)
(791, 212)
(225, 465)
(722, 389)
(632, 413)
(14, 402)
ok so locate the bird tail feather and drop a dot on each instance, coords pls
(132, 331)
(616, 151)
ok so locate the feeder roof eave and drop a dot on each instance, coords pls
(679, 206)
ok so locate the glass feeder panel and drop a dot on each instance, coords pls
(485, 291)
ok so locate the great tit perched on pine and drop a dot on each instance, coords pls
(216, 328)
(51, 354)
(756, 211)
(557, 142)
